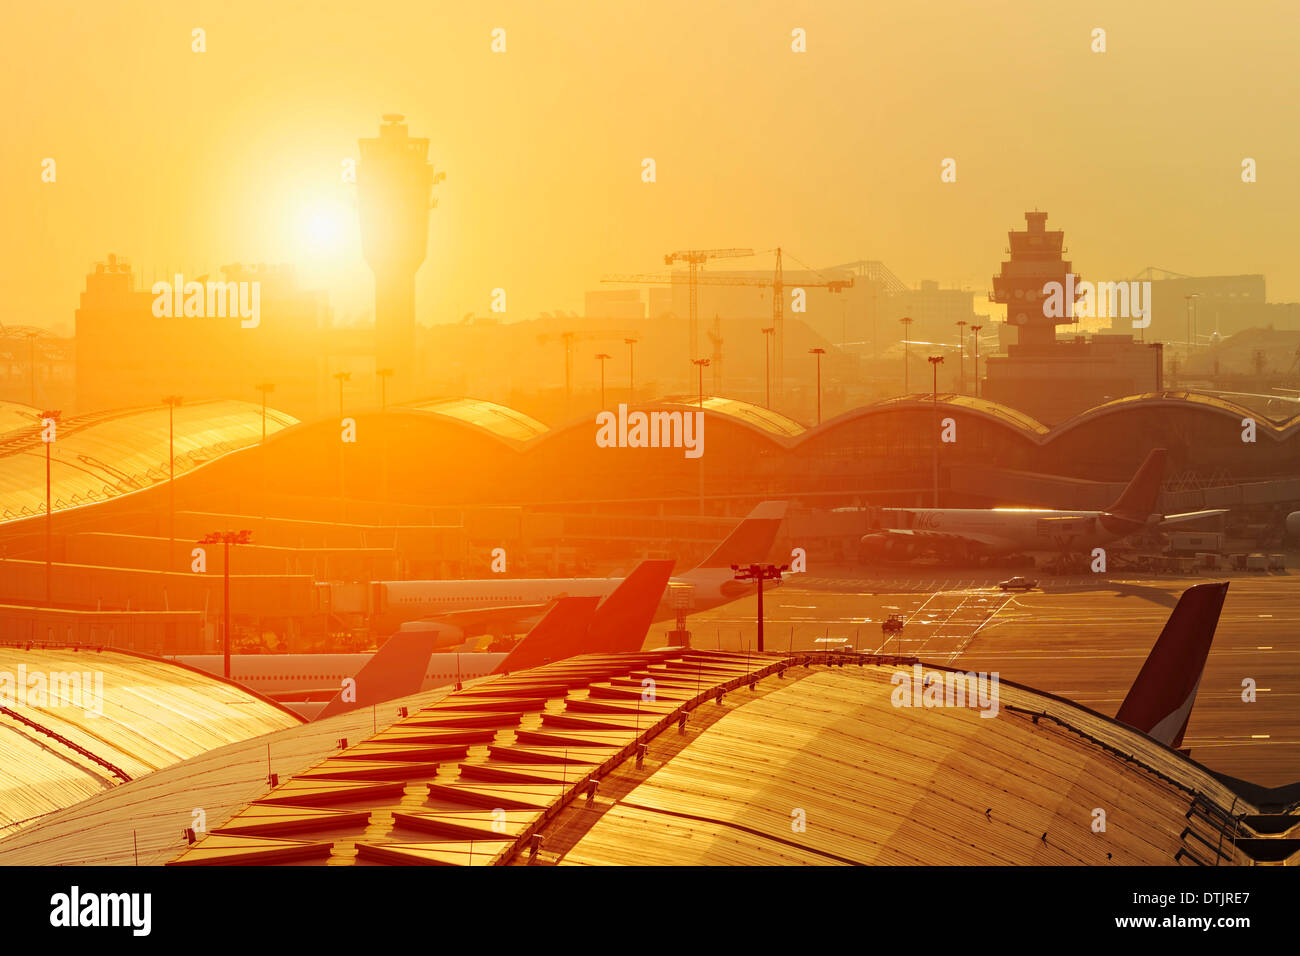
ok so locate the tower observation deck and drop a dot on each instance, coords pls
(1035, 260)
(394, 183)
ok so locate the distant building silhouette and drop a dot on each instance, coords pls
(126, 355)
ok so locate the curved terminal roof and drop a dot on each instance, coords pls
(101, 456)
(15, 416)
(1002, 414)
(498, 420)
(1208, 401)
(754, 415)
(571, 763)
(93, 720)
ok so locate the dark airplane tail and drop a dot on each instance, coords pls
(1138, 502)
(396, 670)
(589, 625)
(624, 617)
(751, 540)
(1160, 701)
(562, 632)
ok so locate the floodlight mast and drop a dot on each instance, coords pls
(760, 573)
(226, 538)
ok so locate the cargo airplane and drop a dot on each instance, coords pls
(967, 533)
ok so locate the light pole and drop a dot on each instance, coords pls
(226, 538)
(767, 364)
(819, 352)
(907, 335)
(31, 363)
(384, 375)
(49, 432)
(961, 356)
(975, 331)
(172, 401)
(1191, 320)
(265, 388)
(342, 377)
(601, 357)
(631, 369)
(935, 362)
(759, 573)
(701, 364)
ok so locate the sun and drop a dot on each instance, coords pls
(323, 227)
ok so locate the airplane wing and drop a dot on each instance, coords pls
(1191, 516)
(508, 618)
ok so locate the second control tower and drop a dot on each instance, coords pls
(394, 183)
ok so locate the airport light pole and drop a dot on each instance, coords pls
(935, 362)
(31, 363)
(172, 401)
(767, 364)
(226, 538)
(384, 375)
(701, 364)
(1191, 320)
(602, 357)
(975, 331)
(49, 420)
(264, 388)
(759, 573)
(631, 368)
(961, 355)
(818, 352)
(342, 377)
(907, 335)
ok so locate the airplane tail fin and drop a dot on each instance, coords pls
(1160, 701)
(624, 617)
(396, 670)
(751, 540)
(562, 632)
(588, 625)
(1138, 502)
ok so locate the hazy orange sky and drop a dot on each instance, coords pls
(185, 161)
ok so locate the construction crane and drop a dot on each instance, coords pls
(694, 258)
(776, 284)
(576, 336)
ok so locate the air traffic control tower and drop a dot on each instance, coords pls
(394, 182)
(1036, 259)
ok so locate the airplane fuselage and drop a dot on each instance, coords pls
(1004, 530)
(404, 601)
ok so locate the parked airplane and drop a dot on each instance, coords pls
(454, 610)
(1160, 701)
(967, 533)
(407, 663)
